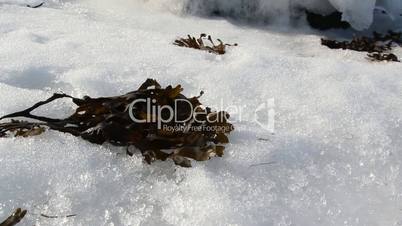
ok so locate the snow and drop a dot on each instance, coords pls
(359, 13)
(334, 159)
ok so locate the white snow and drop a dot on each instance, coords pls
(359, 13)
(335, 157)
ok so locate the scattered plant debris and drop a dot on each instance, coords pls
(361, 44)
(55, 217)
(377, 46)
(198, 43)
(195, 133)
(383, 57)
(22, 128)
(36, 6)
(15, 218)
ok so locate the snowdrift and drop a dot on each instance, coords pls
(359, 13)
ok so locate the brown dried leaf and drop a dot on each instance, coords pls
(30, 132)
(222, 138)
(192, 42)
(220, 150)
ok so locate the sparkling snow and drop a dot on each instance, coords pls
(334, 159)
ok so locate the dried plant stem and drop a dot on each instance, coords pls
(15, 218)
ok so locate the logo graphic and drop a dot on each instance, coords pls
(164, 116)
(264, 115)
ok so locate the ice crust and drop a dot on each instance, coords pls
(334, 159)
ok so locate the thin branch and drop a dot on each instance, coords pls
(15, 218)
(264, 139)
(54, 217)
(36, 6)
(263, 164)
(27, 112)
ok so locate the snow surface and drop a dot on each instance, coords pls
(335, 157)
(359, 13)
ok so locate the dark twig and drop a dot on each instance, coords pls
(36, 6)
(263, 164)
(264, 139)
(54, 217)
(27, 112)
(15, 218)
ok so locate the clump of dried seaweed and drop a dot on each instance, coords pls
(383, 57)
(377, 46)
(199, 43)
(15, 218)
(195, 133)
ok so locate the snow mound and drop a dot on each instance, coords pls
(359, 13)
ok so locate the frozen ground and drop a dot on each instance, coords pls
(335, 155)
